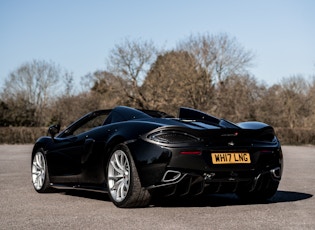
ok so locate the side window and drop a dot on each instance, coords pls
(95, 122)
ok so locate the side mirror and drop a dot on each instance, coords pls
(53, 130)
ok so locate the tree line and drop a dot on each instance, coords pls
(206, 72)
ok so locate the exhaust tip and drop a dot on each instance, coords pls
(171, 175)
(276, 173)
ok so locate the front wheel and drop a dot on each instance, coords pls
(123, 181)
(40, 176)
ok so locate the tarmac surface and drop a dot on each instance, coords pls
(293, 206)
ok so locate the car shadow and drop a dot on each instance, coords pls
(230, 199)
(213, 200)
(287, 196)
(95, 195)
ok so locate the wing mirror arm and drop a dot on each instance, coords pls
(53, 130)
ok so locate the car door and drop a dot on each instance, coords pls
(73, 148)
(65, 157)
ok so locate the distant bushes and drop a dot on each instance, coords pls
(21, 135)
(297, 136)
(26, 135)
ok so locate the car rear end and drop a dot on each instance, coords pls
(216, 159)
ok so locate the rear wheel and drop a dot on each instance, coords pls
(40, 177)
(265, 188)
(123, 181)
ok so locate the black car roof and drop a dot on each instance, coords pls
(124, 113)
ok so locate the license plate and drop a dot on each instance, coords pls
(230, 158)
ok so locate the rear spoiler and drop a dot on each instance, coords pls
(193, 114)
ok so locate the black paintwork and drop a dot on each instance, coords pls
(78, 156)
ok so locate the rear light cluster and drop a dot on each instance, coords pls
(190, 152)
(172, 137)
(267, 136)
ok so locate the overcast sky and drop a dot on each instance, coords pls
(78, 35)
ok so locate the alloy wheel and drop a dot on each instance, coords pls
(119, 175)
(38, 170)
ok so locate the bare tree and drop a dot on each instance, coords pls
(35, 84)
(108, 88)
(311, 98)
(67, 109)
(288, 104)
(130, 61)
(270, 106)
(240, 98)
(176, 79)
(294, 100)
(16, 112)
(221, 55)
(69, 84)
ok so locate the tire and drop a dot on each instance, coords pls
(124, 186)
(40, 177)
(265, 188)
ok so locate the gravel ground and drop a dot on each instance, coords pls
(293, 206)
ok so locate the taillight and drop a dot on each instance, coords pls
(190, 152)
(172, 137)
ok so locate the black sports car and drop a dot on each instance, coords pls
(135, 154)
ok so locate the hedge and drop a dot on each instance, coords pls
(26, 135)
(297, 136)
(21, 135)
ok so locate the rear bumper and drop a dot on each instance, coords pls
(168, 169)
(181, 184)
